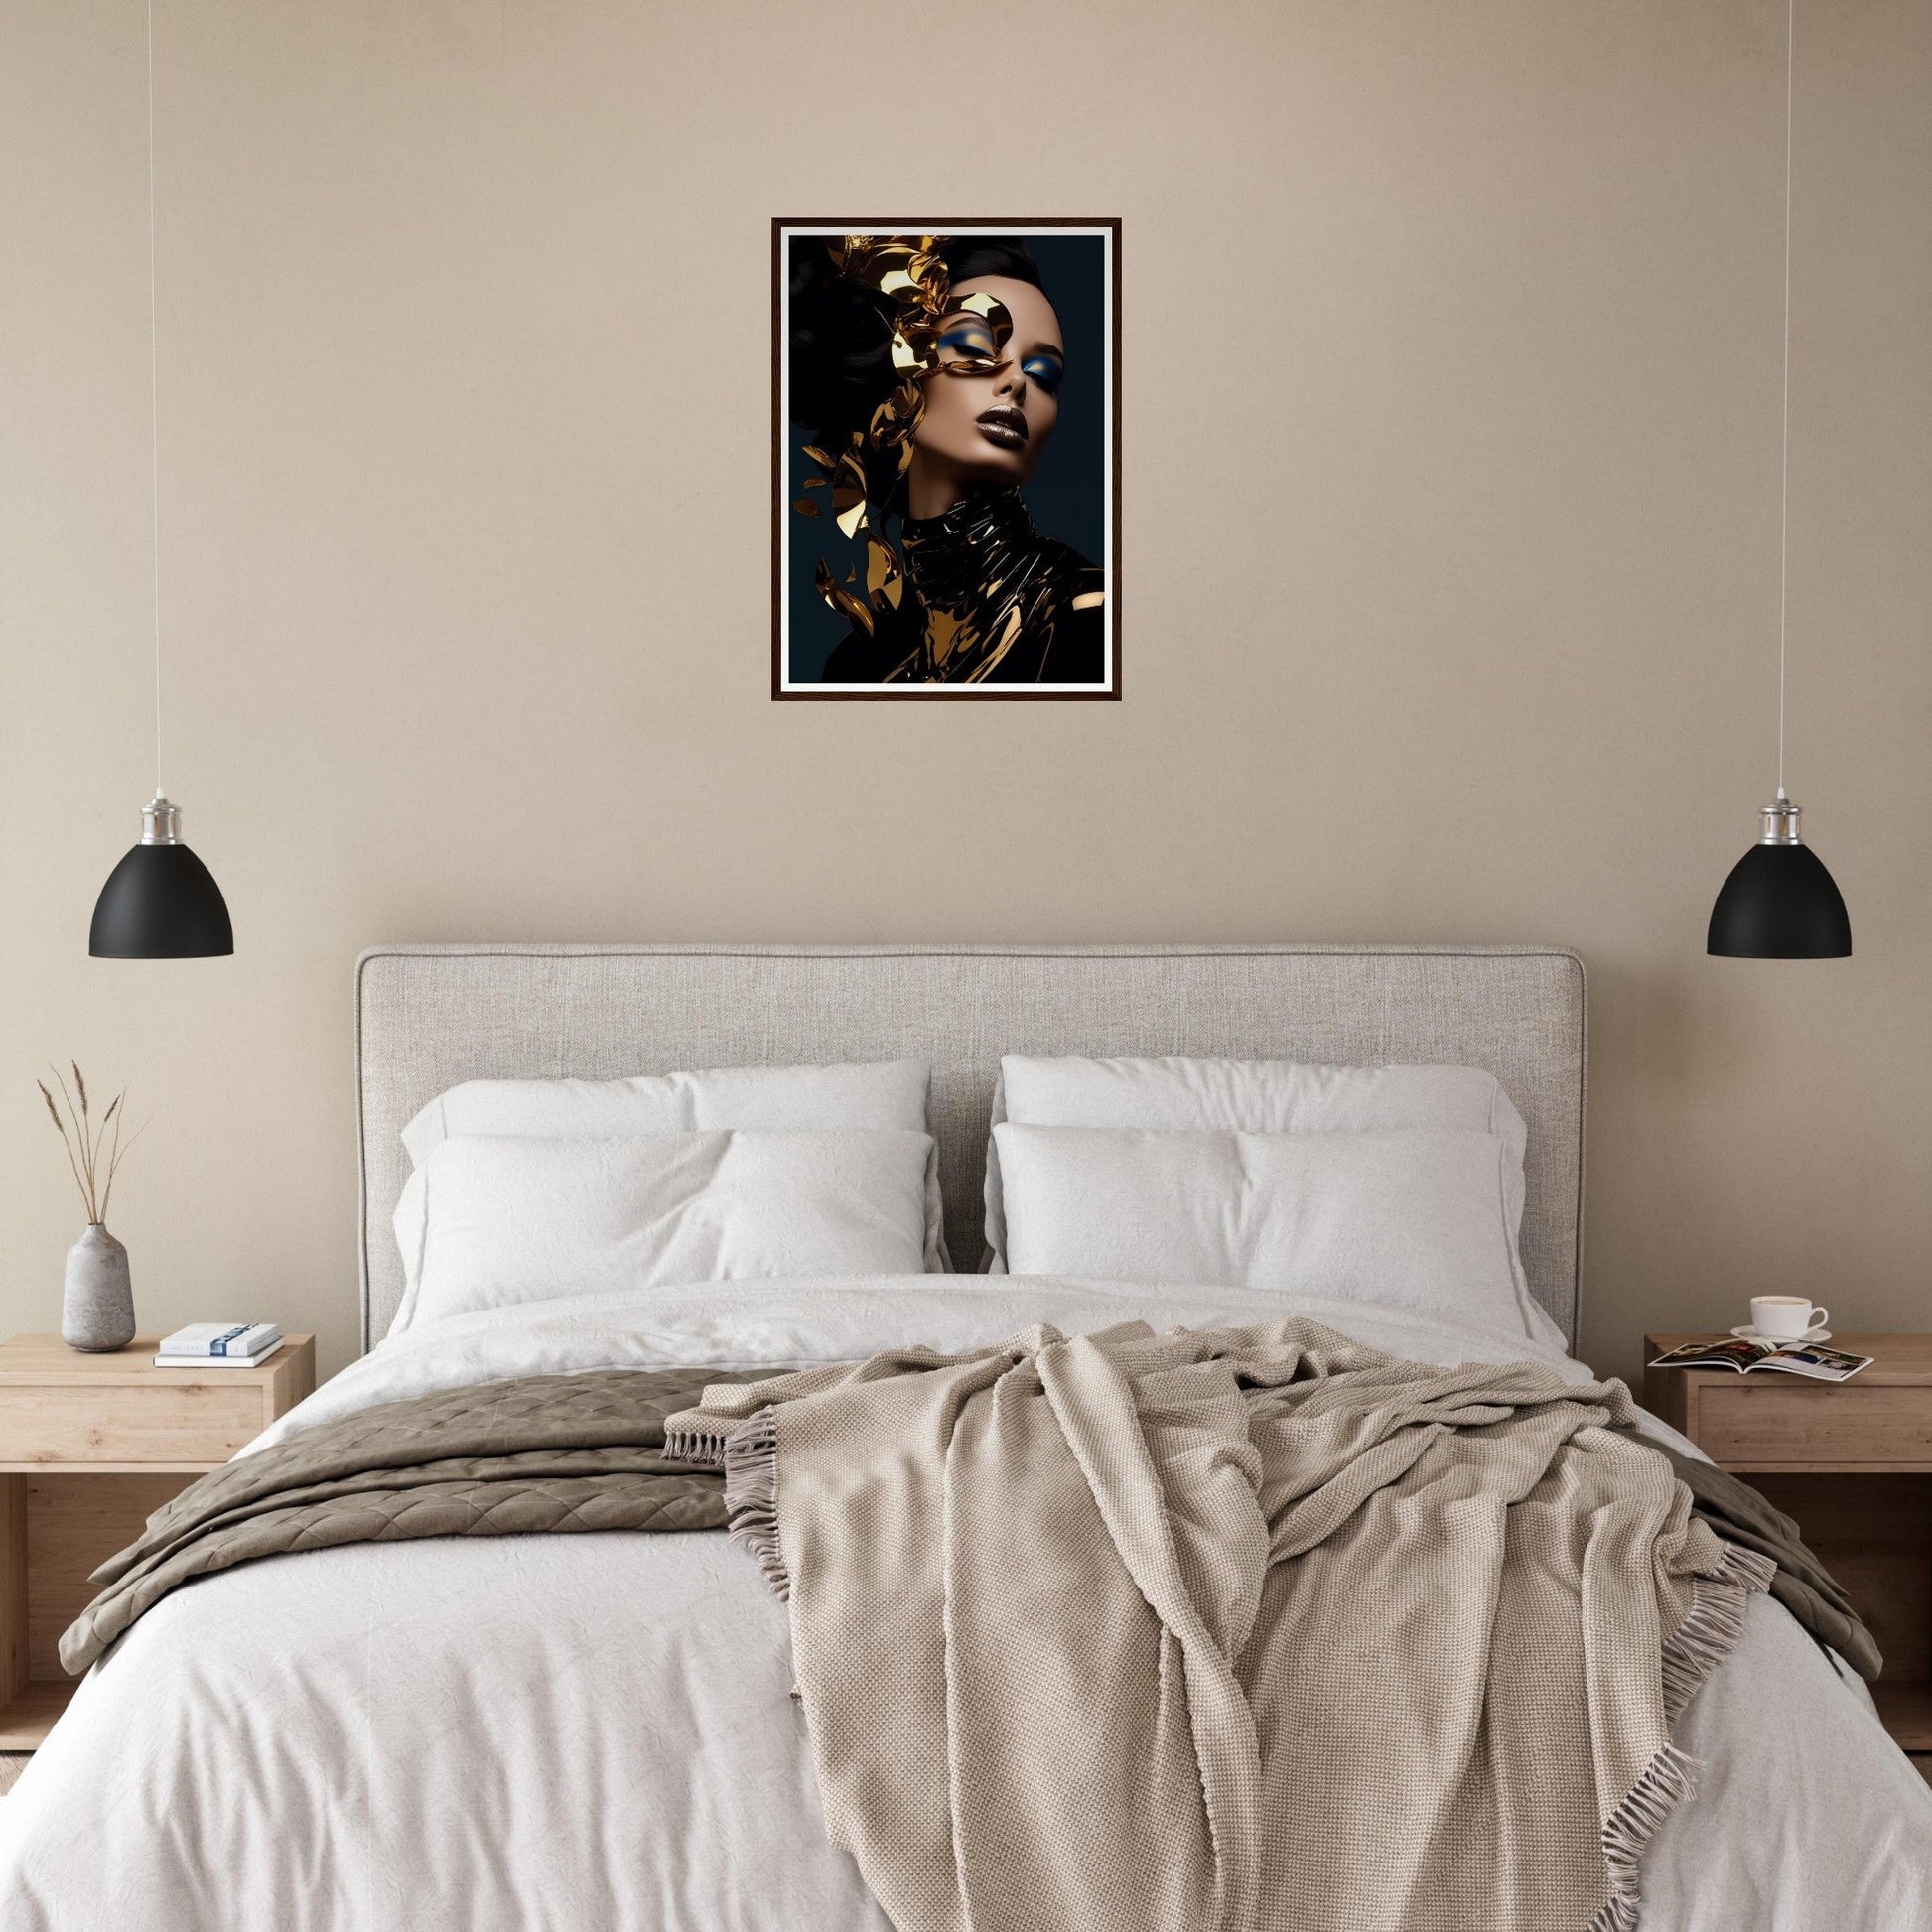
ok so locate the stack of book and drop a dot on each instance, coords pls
(219, 1344)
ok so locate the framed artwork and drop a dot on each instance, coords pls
(946, 460)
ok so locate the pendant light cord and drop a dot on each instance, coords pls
(154, 409)
(1784, 488)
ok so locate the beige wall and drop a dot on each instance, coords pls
(1450, 587)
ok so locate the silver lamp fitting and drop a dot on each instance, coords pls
(160, 822)
(1780, 817)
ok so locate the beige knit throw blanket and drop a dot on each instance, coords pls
(1243, 1630)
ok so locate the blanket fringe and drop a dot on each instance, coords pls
(1693, 1651)
(1709, 1633)
(751, 1456)
(697, 1442)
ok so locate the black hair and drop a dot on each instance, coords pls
(840, 351)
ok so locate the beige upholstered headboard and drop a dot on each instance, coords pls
(428, 1016)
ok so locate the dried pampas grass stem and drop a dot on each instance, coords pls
(87, 1139)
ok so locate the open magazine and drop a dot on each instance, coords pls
(1793, 1357)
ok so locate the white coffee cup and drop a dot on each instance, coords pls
(1787, 1318)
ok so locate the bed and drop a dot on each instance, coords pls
(595, 1730)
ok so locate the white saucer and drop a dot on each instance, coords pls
(1749, 1334)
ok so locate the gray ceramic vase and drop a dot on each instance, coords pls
(97, 1309)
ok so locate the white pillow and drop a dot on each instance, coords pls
(1410, 1218)
(510, 1218)
(1253, 1096)
(880, 1095)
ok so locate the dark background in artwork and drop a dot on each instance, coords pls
(1069, 492)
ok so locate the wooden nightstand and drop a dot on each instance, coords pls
(1852, 1461)
(89, 1446)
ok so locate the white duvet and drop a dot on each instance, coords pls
(583, 1733)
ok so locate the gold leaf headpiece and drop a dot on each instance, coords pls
(863, 476)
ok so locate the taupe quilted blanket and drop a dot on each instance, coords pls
(1250, 1630)
(546, 1452)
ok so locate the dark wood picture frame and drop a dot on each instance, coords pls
(985, 693)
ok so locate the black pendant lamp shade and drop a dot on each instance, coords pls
(160, 902)
(1779, 902)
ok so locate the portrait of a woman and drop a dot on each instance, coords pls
(926, 379)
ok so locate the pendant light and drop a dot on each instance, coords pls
(160, 902)
(1779, 902)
